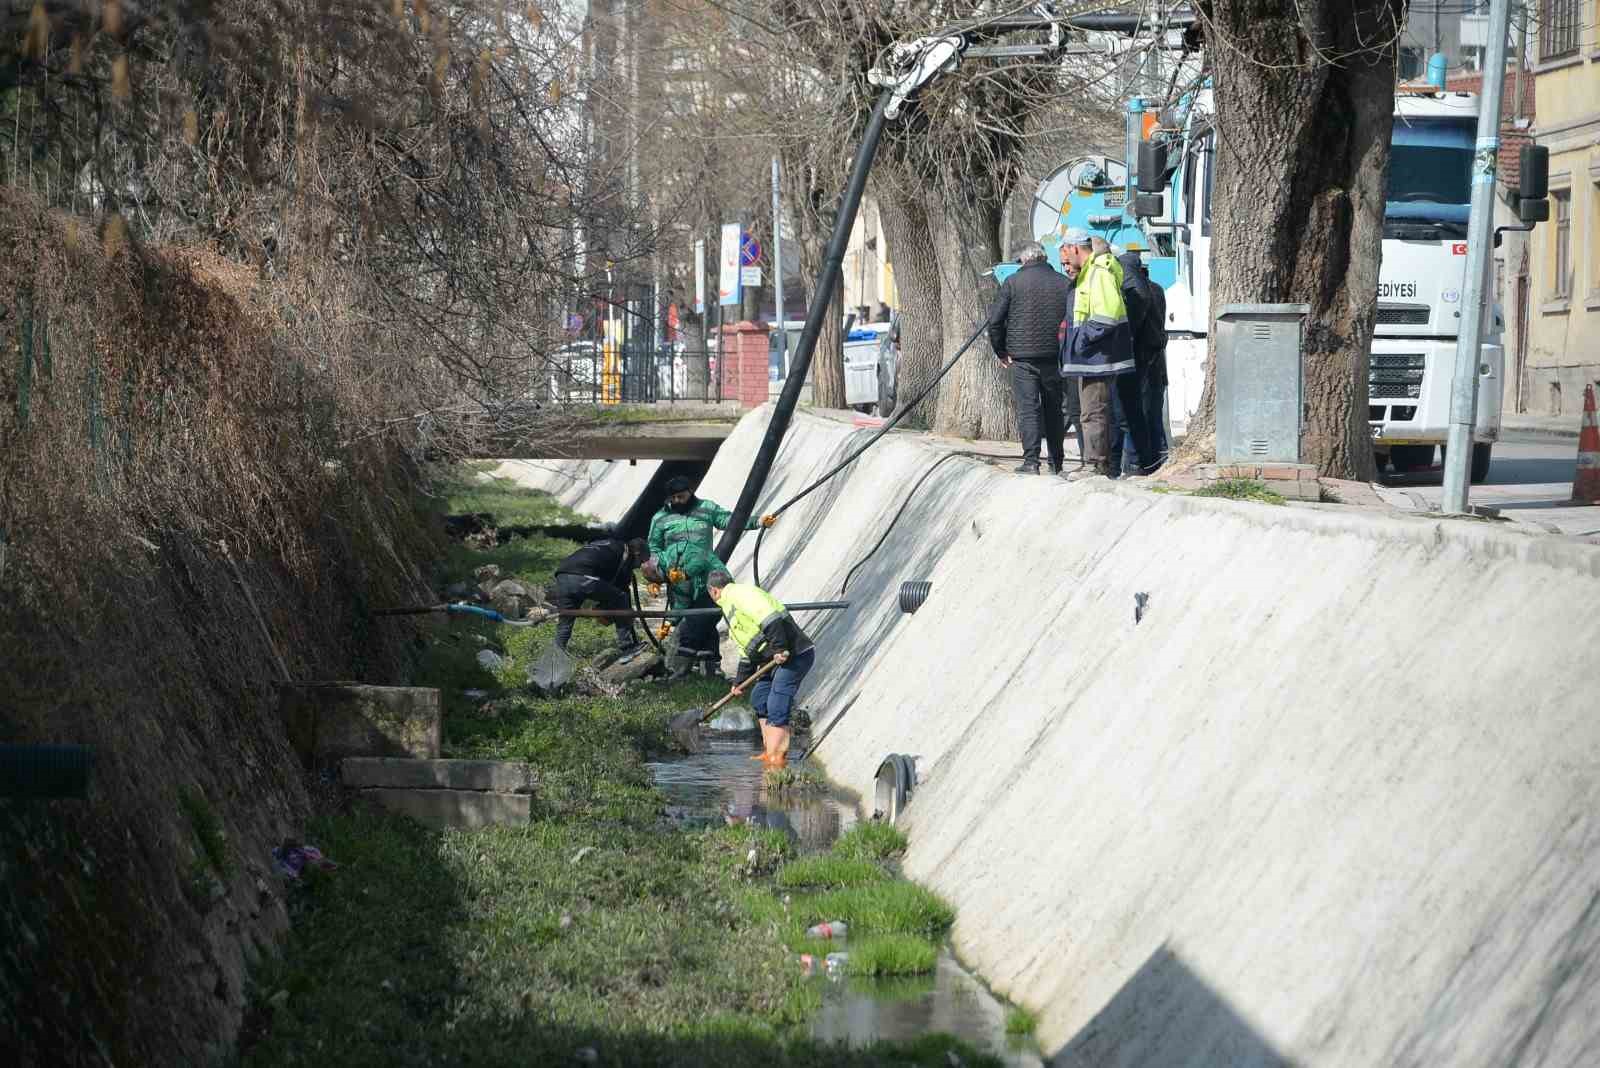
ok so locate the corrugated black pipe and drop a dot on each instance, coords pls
(821, 305)
(912, 594)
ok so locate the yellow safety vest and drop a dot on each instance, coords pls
(748, 609)
(1100, 292)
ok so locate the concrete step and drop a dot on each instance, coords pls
(494, 776)
(454, 809)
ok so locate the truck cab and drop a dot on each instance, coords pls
(1419, 292)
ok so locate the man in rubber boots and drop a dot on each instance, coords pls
(681, 539)
(599, 572)
(763, 630)
(1099, 345)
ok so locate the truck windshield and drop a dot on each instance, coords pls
(1430, 171)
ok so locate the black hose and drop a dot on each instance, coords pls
(910, 406)
(638, 605)
(898, 513)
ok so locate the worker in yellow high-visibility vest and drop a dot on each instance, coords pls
(763, 630)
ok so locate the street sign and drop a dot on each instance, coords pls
(728, 291)
(750, 276)
(749, 251)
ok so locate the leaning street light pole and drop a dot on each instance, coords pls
(777, 268)
(1474, 288)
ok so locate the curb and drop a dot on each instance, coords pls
(1546, 431)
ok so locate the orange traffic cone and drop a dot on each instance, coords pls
(1586, 483)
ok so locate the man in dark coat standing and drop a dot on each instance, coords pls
(1025, 332)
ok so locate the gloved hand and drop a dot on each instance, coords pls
(662, 631)
(676, 575)
(768, 520)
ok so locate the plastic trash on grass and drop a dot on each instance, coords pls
(552, 672)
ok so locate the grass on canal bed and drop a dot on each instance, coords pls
(830, 872)
(595, 934)
(891, 955)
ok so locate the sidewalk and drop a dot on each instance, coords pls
(1556, 427)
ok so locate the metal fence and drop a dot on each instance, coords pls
(588, 373)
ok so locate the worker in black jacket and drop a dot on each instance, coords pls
(1025, 333)
(599, 572)
(1129, 426)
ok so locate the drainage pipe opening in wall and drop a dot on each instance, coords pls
(912, 594)
(895, 781)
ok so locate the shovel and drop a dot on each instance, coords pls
(688, 721)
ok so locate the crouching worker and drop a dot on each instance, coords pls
(763, 630)
(599, 572)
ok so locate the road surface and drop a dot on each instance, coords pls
(1530, 481)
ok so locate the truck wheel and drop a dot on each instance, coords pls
(1411, 457)
(1482, 453)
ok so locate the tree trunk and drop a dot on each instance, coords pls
(904, 217)
(813, 223)
(975, 401)
(1304, 100)
(828, 362)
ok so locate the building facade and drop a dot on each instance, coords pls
(1563, 343)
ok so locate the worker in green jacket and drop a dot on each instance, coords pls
(682, 568)
(681, 539)
(763, 630)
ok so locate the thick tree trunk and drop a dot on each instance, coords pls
(1304, 99)
(813, 224)
(828, 363)
(904, 217)
(975, 401)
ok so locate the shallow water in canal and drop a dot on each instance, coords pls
(719, 784)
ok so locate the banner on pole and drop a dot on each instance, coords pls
(728, 288)
(699, 277)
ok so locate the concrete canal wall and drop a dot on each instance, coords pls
(1334, 799)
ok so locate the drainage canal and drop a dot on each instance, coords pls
(719, 784)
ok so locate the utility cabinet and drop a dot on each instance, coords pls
(1259, 383)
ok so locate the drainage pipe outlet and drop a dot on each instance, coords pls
(912, 594)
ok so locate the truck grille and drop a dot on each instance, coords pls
(1392, 376)
(1403, 314)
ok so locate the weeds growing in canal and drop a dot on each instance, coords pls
(892, 955)
(1020, 1021)
(792, 780)
(828, 872)
(884, 908)
(870, 841)
(595, 933)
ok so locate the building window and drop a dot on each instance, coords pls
(1561, 213)
(1559, 28)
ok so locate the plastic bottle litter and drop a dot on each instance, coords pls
(835, 962)
(808, 964)
(836, 929)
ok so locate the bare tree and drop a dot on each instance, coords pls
(407, 177)
(945, 174)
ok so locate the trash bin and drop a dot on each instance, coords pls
(1259, 383)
